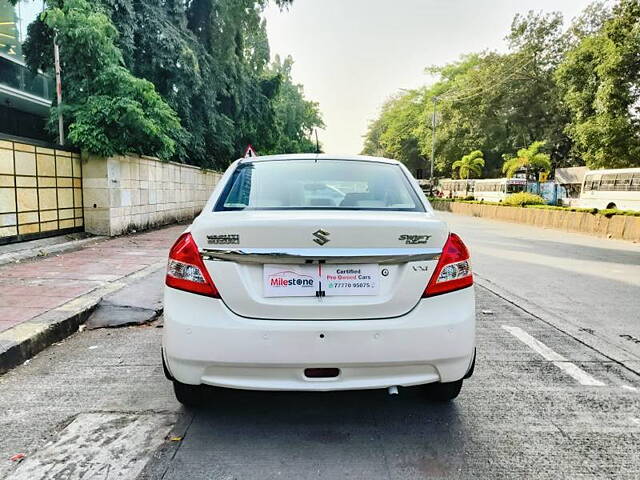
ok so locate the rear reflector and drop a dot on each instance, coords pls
(453, 271)
(321, 372)
(186, 271)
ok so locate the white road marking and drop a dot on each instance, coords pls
(98, 446)
(630, 388)
(558, 360)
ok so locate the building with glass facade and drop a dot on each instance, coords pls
(24, 98)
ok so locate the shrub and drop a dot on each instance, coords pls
(440, 199)
(610, 212)
(523, 198)
(593, 211)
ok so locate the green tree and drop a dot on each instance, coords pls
(529, 159)
(471, 164)
(589, 22)
(396, 135)
(106, 108)
(494, 102)
(372, 144)
(498, 102)
(296, 118)
(599, 79)
(209, 61)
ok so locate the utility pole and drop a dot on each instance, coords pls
(56, 58)
(433, 142)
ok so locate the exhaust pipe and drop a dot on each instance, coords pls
(393, 390)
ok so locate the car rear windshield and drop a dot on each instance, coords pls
(321, 184)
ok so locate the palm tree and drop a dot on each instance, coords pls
(529, 159)
(469, 164)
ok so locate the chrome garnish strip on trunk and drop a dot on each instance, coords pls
(328, 255)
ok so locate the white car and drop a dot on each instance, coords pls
(274, 288)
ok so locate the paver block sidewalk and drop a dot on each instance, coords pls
(35, 287)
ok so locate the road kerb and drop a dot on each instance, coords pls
(26, 339)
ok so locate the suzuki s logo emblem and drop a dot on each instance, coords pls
(321, 237)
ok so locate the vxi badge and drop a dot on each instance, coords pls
(321, 236)
(414, 239)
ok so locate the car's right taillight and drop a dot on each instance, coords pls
(186, 270)
(453, 271)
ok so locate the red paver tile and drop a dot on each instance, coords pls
(33, 301)
(31, 288)
(7, 325)
(50, 288)
(15, 315)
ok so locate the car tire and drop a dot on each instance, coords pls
(472, 367)
(189, 395)
(443, 392)
(165, 369)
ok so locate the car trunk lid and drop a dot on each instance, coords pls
(397, 251)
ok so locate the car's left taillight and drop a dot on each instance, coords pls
(186, 270)
(453, 271)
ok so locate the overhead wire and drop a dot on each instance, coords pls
(464, 95)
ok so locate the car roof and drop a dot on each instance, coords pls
(318, 156)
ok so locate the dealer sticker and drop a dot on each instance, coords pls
(320, 280)
(291, 280)
(359, 279)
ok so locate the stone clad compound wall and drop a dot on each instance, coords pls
(40, 191)
(131, 192)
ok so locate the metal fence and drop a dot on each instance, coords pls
(40, 191)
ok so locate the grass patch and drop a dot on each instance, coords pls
(594, 211)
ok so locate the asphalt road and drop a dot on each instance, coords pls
(541, 405)
(587, 286)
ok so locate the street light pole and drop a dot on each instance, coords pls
(56, 59)
(433, 141)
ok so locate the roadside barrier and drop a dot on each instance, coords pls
(621, 227)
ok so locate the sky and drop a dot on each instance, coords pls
(351, 55)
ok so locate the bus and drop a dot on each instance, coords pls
(603, 189)
(497, 189)
(455, 188)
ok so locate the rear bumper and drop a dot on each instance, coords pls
(205, 343)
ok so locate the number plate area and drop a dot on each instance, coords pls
(321, 280)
